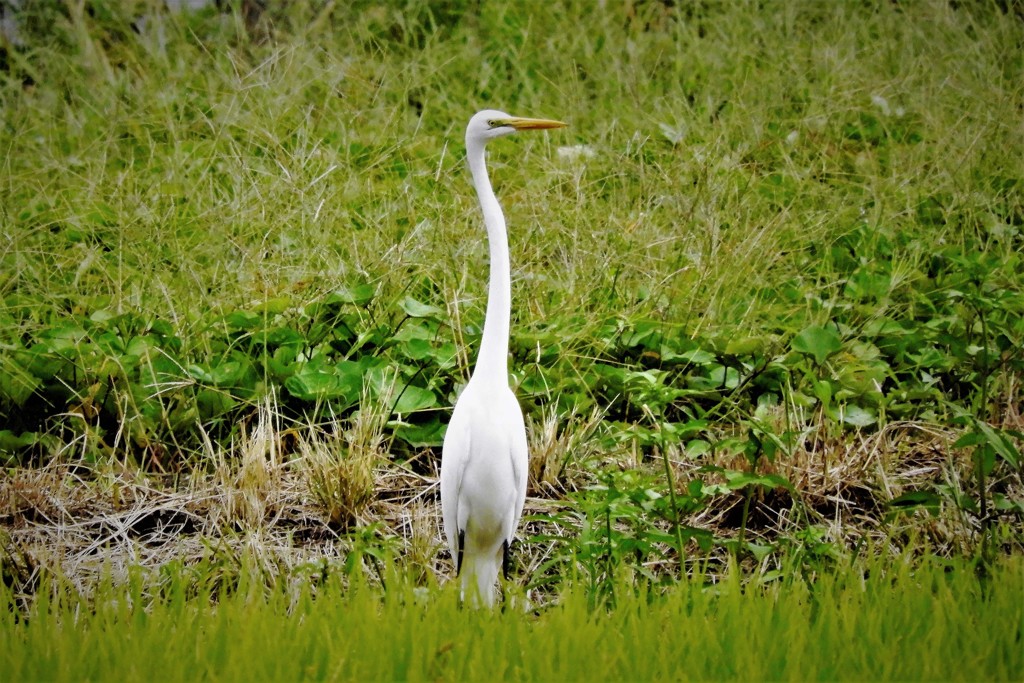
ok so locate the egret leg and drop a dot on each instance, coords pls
(462, 544)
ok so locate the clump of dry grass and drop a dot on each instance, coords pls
(281, 497)
(339, 463)
(843, 484)
(249, 485)
(557, 442)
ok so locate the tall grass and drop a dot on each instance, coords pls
(775, 260)
(188, 169)
(889, 623)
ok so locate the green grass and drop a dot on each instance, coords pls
(935, 623)
(768, 311)
(750, 174)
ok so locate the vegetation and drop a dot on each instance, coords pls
(934, 623)
(768, 309)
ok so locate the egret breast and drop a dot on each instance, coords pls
(488, 493)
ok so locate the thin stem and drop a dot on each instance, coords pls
(979, 451)
(671, 489)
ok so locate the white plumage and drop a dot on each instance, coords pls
(484, 457)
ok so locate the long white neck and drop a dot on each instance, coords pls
(492, 362)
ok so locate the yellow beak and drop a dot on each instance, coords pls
(531, 124)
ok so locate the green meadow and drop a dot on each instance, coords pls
(767, 332)
(933, 623)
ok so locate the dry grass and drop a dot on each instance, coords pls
(282, 498)
(317, 502)
(842, 489)
(339, 463)
(558, 447)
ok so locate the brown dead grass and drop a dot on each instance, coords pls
(83, 523)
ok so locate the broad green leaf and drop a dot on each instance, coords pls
(229, 372)
(863, 379)
(417, 329)
(327, 383)
(818, 342)
(426, 435)
(418, 349)
(352, 372)
(722, 376)
(16, 384)
(102, 316)
(210, 403)
(360, 295)
(1007, 504)
(71, 333)
(418, 309)
(1000, 443)
(770, 576)
(759, 550)
(220, 374)
(242, 320)
(822, 391)
(446, 355)
(162, 327)
(110, 342)
(141, 346)
(697, 447)
(273, 306)
(744, 346)
(858, 416)
(738, 480)
(917, 499)
(278, 336)
(11, 442)
(968, 439)
(695, 356)
(987, 455)
(311, 386)
(412, 398)
(200, 373)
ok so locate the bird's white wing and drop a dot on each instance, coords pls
(454, 458)
(520, 463)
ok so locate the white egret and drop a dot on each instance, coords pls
(484, 459)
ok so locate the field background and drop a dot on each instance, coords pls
(767, 302)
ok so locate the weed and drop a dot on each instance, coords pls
(340, 463)
(727, 630)
(784, 248)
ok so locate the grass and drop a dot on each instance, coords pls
(933, 623)
(187, 191)
(767, 313)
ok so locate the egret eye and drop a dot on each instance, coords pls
(493, 123)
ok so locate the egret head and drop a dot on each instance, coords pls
(489, 124)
